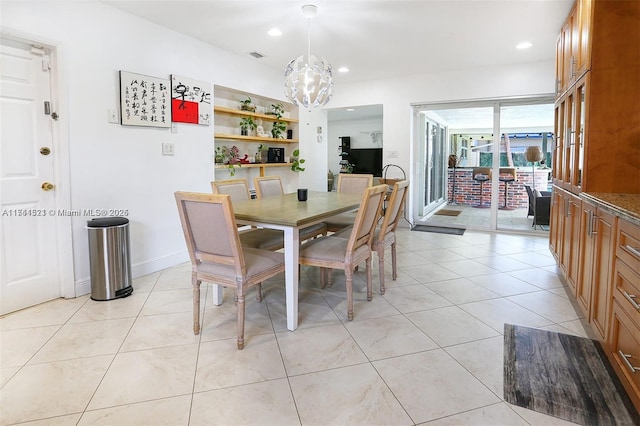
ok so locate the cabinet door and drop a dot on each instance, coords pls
(569, 141)
(558, 126)
(554, 243)
(585, 257)
(572, 225)
(583, 54)
(603, 256)
(580, 135)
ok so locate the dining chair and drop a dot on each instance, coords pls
(349, 184)
(385, 235)
(238, 190)
(267, 186)
(341, 253)
(217, 255)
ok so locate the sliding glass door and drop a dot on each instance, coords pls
(433, 145)
(471, 155)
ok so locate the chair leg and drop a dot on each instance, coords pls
(323, 281)
(369, 279)
(241, 321)
(349, 284)
(380, 252)
(329, 277)
(259, 295)
(196, 304)
(394, 271)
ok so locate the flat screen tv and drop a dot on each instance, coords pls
(366, 160)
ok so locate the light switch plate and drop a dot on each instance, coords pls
(167, 148)
(112, 116)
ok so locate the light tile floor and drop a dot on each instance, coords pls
(430, 351)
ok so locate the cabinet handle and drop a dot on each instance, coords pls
(594, 224)
(631, 298)
(574, 62)
(625, 358)
(633, 250)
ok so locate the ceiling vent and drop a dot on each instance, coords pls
(256, 55)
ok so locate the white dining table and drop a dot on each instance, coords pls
(286, 213)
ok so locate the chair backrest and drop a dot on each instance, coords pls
(238, 189)
(482, 171)
(395, 208)
(509, 171)
(353, 184)
(367, 217)
(268, 186)
(210, 230)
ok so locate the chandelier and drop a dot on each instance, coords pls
(309, 82)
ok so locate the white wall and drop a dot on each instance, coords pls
(398, 94)
(113, 166)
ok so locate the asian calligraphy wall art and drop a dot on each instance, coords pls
(144, 100)
(190, 101)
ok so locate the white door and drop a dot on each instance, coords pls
(29, 272)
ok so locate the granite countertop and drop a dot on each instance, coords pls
(626, 206)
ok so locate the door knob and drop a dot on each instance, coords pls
(46, 186)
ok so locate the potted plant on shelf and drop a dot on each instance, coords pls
(296, 161)
(246, 125)
(277, 110)
(278, 130)
(229, 157)
(246, 105)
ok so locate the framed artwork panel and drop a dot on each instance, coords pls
(144, 100)
(190, 101)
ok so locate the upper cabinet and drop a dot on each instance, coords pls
(598, 106)
(573, 46)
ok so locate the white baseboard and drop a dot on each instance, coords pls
(140, 269)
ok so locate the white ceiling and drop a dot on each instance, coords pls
(374, 38)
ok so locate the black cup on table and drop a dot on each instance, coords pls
(302, 194)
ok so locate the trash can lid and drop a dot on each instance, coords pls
(105, 222)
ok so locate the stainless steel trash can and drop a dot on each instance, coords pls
(109, 258)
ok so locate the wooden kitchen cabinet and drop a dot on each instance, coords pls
(598, 106)
(603, 237)
(624, 341)
(596, 255)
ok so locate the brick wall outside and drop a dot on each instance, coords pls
(467, 190)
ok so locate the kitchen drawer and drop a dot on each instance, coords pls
(625, 352)
(628, 249)
(626, 289)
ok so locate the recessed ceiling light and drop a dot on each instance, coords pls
(343, 69)
(274, 32)
(524, 45)
(351, 109)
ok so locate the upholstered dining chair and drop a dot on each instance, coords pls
(267, 186)
(385, 235)
(216, 254)
(346, 253)
(350, 184)
(238, 190)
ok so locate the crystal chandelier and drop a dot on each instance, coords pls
(309, 82)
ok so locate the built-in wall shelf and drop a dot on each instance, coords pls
(240, 113)
(243, 138)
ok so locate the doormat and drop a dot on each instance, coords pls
(563, 376)
(447, 212)
(438, 229)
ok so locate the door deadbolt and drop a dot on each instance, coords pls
(45, 150)
(46, 186)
